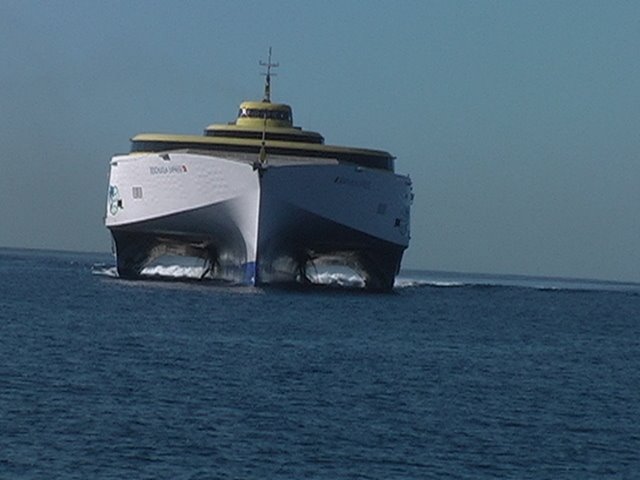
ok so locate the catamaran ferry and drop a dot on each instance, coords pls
(259, 200)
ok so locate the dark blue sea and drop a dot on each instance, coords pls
(451, 376)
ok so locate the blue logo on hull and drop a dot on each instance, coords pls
(250, 270)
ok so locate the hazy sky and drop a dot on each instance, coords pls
(518, 121)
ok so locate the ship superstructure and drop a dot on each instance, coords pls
(259, 200)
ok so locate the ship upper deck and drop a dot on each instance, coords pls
(157, 142)
(274, 121)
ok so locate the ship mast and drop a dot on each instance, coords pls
(267, 85)
(262, 158)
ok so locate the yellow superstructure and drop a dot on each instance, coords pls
(263, 128)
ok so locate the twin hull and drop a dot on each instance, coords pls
(258, 223)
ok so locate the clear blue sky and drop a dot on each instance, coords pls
(518, 121)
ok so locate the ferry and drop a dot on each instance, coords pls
(259, 201)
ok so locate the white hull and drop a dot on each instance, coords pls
(258, 225)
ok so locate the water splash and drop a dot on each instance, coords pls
(338, 279)
(414, 282)
(102, 270)
(406, 280)
(173, 271)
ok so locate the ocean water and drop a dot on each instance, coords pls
(451, 376)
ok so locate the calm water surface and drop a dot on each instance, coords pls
(452, 376)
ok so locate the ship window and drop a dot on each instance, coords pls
(261, 113)
(136, 192)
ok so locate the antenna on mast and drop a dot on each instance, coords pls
(267, 86)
